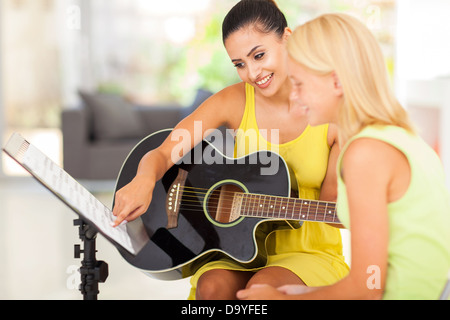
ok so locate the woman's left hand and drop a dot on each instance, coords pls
(260, 292)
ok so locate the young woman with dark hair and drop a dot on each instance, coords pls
(255, 34)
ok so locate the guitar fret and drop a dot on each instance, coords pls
(294, 206)
(259, 205)
(333, 219)
(263, 205)
(267, 206)
(307, 214)
(273, 207)
(252, 205)
(287, 209)
(301, 209)
(317, 208)
(248, 205)
(244, 202)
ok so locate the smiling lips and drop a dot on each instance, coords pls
(264, 83)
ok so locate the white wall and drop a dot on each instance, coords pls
(423, 43)
(1, 100)
(423, 69)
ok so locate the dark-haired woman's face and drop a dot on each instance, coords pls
(260, 58)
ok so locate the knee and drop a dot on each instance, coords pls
(220, 284)
(206, 290)
(260, 278)
(210, 286)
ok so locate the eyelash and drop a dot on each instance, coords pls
(259, 56)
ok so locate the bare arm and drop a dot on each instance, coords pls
(223, 108)
(328, 191)
(369, 171)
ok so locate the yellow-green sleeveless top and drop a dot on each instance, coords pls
(419, 222)
(313, 251)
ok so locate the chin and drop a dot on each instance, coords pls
(314, 121)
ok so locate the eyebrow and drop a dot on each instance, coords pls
(251, 51)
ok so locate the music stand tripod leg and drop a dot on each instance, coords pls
(92, 271)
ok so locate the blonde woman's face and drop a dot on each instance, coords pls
(260, 59)
(319, 95)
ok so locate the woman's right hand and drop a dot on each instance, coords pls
(133, 200)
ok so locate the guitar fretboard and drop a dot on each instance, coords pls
(266, 206)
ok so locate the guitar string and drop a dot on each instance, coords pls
(324, 217)
(231, 194)
(266, 211)
(272, 196)
(253, 208)
(253, 205)
(194, 204)
(251, 201)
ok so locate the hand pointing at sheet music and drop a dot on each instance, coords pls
(133, 200)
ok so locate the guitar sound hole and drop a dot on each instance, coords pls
(220, 203)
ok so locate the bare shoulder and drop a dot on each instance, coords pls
(234, 91)
(366, 149)
(372, 158)
(228, 104)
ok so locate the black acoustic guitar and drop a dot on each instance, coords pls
(204, 210)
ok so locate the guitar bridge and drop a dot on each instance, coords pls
(173, 199)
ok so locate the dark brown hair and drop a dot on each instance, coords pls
(265, 14)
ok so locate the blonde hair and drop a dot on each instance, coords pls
(340, 43)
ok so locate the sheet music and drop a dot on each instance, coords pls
(68, 189)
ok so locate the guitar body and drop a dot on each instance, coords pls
(178, 251)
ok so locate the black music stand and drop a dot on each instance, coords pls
(92, 271)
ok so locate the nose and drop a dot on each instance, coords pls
(293, 96)
(253, 71)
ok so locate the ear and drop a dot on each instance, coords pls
(337, 85)
(287, 33)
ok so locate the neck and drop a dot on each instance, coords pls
(265, 206)
(281, 97)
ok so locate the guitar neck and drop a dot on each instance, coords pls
(266, 206)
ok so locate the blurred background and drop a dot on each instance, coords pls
(60, 60)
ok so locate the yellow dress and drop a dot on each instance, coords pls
(313, 251)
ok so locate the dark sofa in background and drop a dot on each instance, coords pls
(99, 133)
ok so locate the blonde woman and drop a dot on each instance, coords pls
(391, 189)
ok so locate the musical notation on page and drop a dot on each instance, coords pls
(70, 191)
